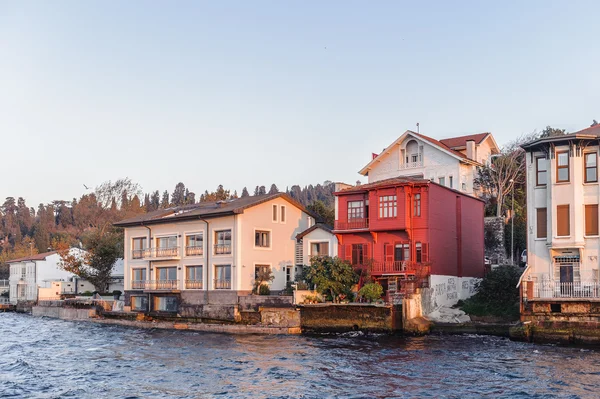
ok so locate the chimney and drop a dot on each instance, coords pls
(471, 149)
(373, 155)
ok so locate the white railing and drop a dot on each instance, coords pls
(555, 289)
(411, 165)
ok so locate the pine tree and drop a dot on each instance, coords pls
(155, 200)
(245, 192)
(274, 189)
(165, 200)
(257, 190)
(178, 197)
(262, 190)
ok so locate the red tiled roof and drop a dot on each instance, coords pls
(461, 141)
(590, 130)
(41, 256)
(387, 182)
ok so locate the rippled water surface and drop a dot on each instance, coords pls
(48, 358)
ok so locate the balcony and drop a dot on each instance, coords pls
(352, 224)
(411, 165)
(155, 285)
(194, 251)
(221, 284)
(549, 289)
(222, 249)
(193, 284)
(407, 269)
(170, 253)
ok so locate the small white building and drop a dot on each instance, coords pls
(450, 162)
(30, 273)
(317, 240)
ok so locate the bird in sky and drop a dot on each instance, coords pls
(86, 187)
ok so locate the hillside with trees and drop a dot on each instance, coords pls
(86, 222)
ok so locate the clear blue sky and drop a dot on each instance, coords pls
(252, 92)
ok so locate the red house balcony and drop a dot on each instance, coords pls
(407, 269)
(352, 224)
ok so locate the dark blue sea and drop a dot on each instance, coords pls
(49, 358)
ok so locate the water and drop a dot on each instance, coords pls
(49, 358)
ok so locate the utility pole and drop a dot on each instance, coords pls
(512, 223)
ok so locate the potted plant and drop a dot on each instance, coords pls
(117, 294)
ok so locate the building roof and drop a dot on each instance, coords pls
(439, 144)
(314, 227)
(30, 258)
(206, 210)
(461, 141)
(398, 181)
(590, 133)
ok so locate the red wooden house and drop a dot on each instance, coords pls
(411, 232)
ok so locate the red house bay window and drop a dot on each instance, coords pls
(388, 206)
(356, 210)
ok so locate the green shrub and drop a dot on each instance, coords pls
(496, 294)
(331, 276)
(312, 299)
(371, 292)
(87, 293)
(264, 290)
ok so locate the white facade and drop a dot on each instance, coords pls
(559, 264)
(38, 271)
(416, 155)
(199, 258)
(318, 242)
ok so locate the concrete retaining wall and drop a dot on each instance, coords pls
(338, 317)
(63, 313)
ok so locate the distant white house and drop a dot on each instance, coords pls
(30, 274)
(317, 240)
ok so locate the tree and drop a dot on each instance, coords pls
(165, 200)
(219, 195)
(122, 189)
(178, 196)
(324, 214)
(273, 189)
(551, 132)
(155, 201)
(262, 190)
(97, 262)
(264, 275)
(245, 193)
(331, 275)
(256, 190)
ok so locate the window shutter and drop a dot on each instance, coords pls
(389, 252)
(542, 222)
(591, 220)
(424, 252)
(324, 250)
(562, 220)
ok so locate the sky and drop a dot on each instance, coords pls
(288, 92)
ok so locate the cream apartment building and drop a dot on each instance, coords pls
(188, 256)
(562, 215)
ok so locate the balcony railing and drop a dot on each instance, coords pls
(146, 253)
(409, 269)
(221, 284)
(193, 284)
(151, 285)
(352, 224)
(555, 289)
(194, 251)
(411, 165)
(222, 249)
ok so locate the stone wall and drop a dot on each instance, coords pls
(338, 317)
(253, 302)
(494, 240)
(63, 313)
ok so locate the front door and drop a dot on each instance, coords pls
(566, 280)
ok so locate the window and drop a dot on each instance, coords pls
(356, 210)
(139, 274)
(401, 252)
(223, 242)
(319, 249)
(562, 166)
(563, 228)
(450, 182)
(139, 244)
(288, 274)
(387, 206)
(282, 214)
(417, 205)
(542, 222)
(194, 244)
(261, 270)
(442, 181)
(166, 273)
(540, 171)
(591, 167)
(418, 252)
(222, 277)
(166, 242)
(414, 158)
(193, 277)
(591, 220)
(358, 254)
(262, 239)
(274, 213)
(139, 303)
(165, 303)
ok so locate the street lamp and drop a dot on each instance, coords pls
(512, 223)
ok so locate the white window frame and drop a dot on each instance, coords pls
(270, 247)
(283, 214)
(311, 242)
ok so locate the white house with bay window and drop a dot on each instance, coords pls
(317, 240)
(451, 162)
(173, 256)
(563, 241)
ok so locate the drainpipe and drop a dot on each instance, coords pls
(206, 263)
